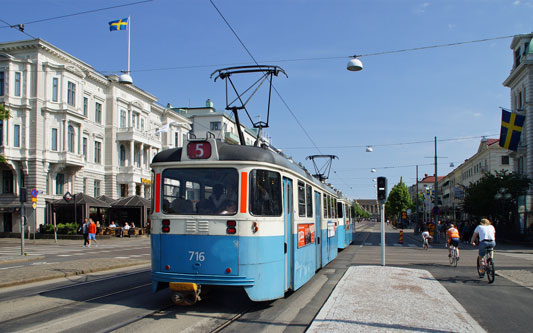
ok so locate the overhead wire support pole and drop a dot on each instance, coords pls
(436, 205)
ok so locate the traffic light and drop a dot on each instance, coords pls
(23, 194)
(382, 188)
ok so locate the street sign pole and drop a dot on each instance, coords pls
(22, 229)
(382, 233)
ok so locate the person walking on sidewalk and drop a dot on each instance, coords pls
(85, 231)
(92, 233)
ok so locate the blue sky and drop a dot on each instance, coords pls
(398, 99)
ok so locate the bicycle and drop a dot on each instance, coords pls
(453, 258)
(486, 265)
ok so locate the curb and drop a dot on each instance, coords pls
(13, 260)
(80, 271)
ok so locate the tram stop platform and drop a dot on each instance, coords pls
(387, 299)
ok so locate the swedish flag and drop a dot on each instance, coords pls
(511, 129)
(118, 24)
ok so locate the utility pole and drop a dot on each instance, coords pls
(436, 205)
(416, 197)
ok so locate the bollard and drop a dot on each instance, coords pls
(401, 237)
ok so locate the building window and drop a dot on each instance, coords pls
(84, 148)
(134, 120)
(215, 126)
(85, 106)
(142, 124)
(84, 185)
(7, 181)
(55, 87)
(1, 132)
(70, 139)
(98, 113)
(122, 119)
(54, 139)
(97, 152)
(71, 94)
(17, 83)
(176, 139)
(1, 83)
(60, 182)
(96, 188)
(505, 160)
(16, 136)
(122, 155)
(123, 190)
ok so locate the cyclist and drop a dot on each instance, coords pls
(487, 236)
(452, 237)
(425, 234)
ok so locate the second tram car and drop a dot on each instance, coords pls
(243, 216)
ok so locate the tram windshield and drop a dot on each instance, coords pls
(209, 191)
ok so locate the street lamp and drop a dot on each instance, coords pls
(354, 65)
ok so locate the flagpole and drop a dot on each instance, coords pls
(129, 38)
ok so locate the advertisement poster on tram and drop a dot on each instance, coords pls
(306, 234)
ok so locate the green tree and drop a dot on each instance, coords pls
(360, 212)
(481, 199)
(4, 114)
(399, 200)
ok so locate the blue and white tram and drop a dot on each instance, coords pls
(343, 220)
(232, 215)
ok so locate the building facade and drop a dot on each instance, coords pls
(520, 82)
(489, 158)
(74, 130)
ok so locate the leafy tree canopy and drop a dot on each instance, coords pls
(480, 197)
(399, 199)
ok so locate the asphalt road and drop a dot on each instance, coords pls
(122, 300)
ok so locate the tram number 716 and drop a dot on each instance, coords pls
(197, 256)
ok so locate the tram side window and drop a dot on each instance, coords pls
(265, 193)
(309, 196)
(325, 205)
(339, 209)
(301, 199)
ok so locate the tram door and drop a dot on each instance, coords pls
(318, 231)
(287, 217)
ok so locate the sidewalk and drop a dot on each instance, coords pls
(386, 299)
(33, 273)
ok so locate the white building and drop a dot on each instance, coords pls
(74, 130)
(520, 81)
(221, 124)
(489, 158)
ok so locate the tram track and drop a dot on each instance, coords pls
(61, 308)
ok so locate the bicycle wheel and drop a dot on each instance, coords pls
(480, 268)
(454, 256)
(451, 257)
(490, 270)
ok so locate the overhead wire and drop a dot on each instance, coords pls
(273, 86)
(395, 144)
(79, 13)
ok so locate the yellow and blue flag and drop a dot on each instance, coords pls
(511, 129)
(118, 24)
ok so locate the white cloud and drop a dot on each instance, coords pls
(516, 2)
(421, 8)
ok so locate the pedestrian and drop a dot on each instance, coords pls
(126, 229)
(85, 231)
(98, 228)
(92, 233)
